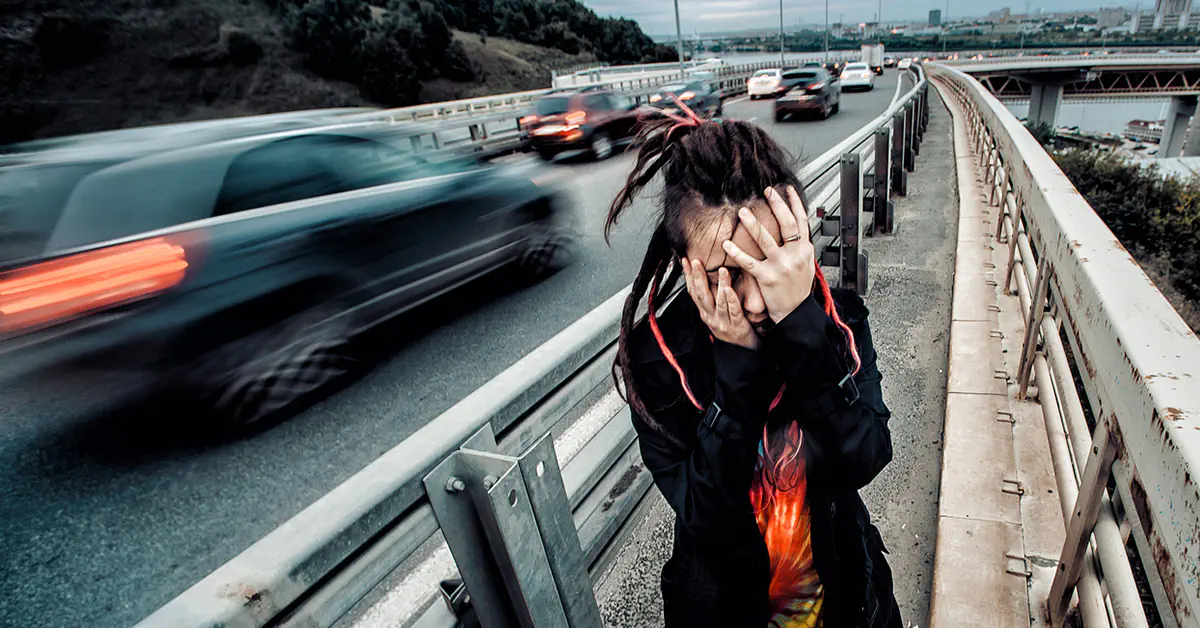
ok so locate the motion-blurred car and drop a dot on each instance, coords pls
(810, 91)
(765, 83)
(904, 63)
(589, 119)
(858, 76)
(697, 95)
(239, 273)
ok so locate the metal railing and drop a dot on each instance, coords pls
(1104, 327)
(527, 536)
(490, 125)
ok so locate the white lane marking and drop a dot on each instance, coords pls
(737, 100)
(410, 596)
(752, 119)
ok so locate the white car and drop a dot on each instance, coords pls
(857, 76)
(904, 64)
(764, 83)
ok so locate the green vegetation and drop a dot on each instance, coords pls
(75, 66)
(1156, 218)
(390, 51)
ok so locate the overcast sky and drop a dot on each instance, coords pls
(657, 17)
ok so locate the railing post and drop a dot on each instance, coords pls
(899, 175)
(881, 206)
(508, 525)
(910, 137)
(853, 261)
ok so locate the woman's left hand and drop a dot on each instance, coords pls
(786, 275)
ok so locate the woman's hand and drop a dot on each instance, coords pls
(786, 275)
(722, 312)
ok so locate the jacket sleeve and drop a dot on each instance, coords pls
(844, 417)
(707, 478)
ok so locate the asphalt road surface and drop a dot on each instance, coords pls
(106, 516)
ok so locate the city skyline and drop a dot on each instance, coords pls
(705, 16)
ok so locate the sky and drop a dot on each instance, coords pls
(657, 17)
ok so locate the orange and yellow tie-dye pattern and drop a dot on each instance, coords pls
(783, 519)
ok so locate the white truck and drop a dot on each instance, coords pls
(872, 55)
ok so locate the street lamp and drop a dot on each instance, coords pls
(945, 26)
(781, 34)
(679, 40)
(826, 62)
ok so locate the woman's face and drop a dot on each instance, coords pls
(705, 244)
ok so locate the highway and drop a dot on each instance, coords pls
(108, 516)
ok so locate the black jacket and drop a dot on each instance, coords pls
(719, 572)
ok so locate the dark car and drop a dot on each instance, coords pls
(697, 95)
(811, 91)
(889, 62)
(240, 272)
(589, 119)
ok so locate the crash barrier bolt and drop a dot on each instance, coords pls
(879, 204)
(512, 536)
(853, 261)
(899, 175)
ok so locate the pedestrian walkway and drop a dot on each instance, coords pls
(911, 274)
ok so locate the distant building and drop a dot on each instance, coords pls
(1110, 18)
(935, 17)
(1168, 15)
(1000, 16)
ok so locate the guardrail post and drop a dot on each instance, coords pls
(508, 524)
(924, 110)
(910, 137)
(899, 175)
(1082, 522)
(853, 261)
(879, 204)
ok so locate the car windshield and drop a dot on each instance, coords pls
(675, 89)
(856, 67)
(551, 106)
(762, 73)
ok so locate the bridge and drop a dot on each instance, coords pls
(1029, 363)
(1045, 82)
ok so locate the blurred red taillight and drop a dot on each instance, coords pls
(62, 289)
(576, 118)
(816, 87)
(526, 121)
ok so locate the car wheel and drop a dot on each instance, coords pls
(825, 111)
(836, 106)
(546, 249)
(602, 147)
(753, 96)
(546, 155)
(257, 377)
(780, 116)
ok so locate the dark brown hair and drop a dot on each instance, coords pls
(710, 169)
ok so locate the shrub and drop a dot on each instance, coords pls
(330, 34)
(1156, 218)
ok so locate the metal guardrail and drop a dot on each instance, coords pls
(524, 533)
(490, 125)
(1133, 356)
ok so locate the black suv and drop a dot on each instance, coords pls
(589, 119)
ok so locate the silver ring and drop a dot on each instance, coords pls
(793, 238)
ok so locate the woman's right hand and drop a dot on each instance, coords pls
(722, 312)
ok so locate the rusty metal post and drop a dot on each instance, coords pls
(1033, 323)
(852, 260)
(881, 205)
(1083, 521)
(899, 174)
(1012, 246)
(910, 137)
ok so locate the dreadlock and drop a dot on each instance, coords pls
(710, 170)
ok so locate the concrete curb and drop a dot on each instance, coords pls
(982, 567)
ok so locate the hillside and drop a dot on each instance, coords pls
(72, 66)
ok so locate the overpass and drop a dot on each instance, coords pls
(1047, 81)
(960, 232)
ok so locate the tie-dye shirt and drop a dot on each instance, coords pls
(783, 518)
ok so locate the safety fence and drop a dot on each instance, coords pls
(527, 535)
(1095, 323)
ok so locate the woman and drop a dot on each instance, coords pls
(756, 398)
